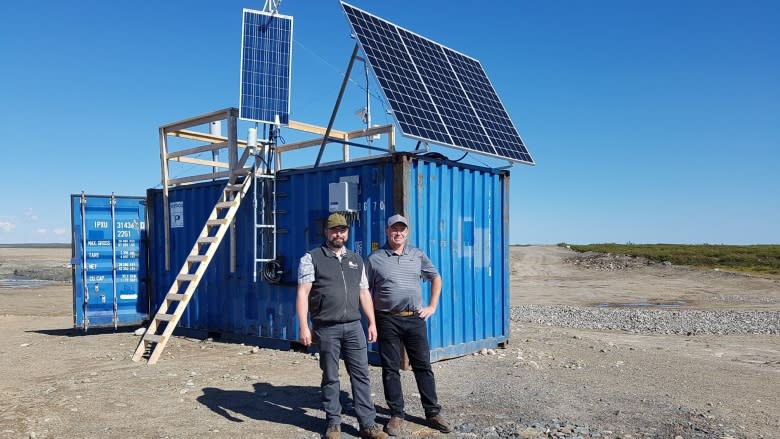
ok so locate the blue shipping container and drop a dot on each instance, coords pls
(109, 260)
(458, 215)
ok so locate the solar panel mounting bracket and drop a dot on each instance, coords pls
(338, 104)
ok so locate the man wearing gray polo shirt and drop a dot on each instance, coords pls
(394, 273)
(332, 286)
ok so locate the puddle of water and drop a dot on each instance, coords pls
(674, 304)
(17, 283)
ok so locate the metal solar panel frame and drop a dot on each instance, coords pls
(262, 96)
(479, 136)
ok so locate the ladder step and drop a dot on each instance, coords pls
(206, 239)
(216, 222)
(233, 188)
(185, 277)
(225, 205)
(265, 226)
(153, 338)
(174, 297)
(164, 317)
(264, 260)
(196, 258)
(266, 176)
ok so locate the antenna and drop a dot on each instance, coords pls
(272, 6)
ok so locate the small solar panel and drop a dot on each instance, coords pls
(437, 95)
(266, 49)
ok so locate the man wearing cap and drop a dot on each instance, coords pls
(333, 287)
(394, 273)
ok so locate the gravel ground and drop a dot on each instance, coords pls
(697, 424)
(646, 321)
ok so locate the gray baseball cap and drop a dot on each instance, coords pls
(397, 219)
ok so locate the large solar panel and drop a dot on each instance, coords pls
(266, 49)
(437, 95)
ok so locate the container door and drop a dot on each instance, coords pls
(109, 259)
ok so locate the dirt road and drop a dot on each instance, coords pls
(58, 382)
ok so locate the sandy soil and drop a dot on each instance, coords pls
(58, 382)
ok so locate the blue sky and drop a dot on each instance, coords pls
(649, 121)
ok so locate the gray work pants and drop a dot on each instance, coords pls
(345, 340)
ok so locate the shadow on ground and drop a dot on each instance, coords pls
(278, 404)
(78, 332)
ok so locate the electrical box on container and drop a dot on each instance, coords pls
(343, 197)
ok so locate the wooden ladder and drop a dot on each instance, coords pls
(200, 256)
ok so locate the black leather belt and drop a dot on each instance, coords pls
(407, 313)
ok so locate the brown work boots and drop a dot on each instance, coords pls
(395, 426)
(333, 432)
(373, 432)
(439, 423)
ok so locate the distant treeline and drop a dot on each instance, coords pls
(755, 259)
(38, 245)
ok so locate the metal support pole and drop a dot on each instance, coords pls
(233, 163)
(113, 258)
(338, 103)
(254, 216)
(369, 139)
(84, 277)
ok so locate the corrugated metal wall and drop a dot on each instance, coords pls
(303, 207)
(109, 255)
(458, 217)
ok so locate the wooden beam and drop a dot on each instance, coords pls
(201, 162)
(357, 134)
(299, 145)
(388, 129)
(244, 157)
(300, 126)
(197, 150)
(199, 120)
(194, 135)
(314, 129)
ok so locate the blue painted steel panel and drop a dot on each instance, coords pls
(109, 256)
(459, 217)
(457, 214)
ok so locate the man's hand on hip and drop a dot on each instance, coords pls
(426, 312)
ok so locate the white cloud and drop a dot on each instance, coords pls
(41, 231)
(30, 215)
(5, 226)
(60, 231)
